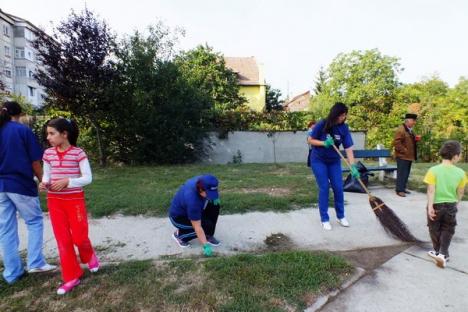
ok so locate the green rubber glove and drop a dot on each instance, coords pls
(355, 172)
(328, 142)
(207, 250)
(217, 202)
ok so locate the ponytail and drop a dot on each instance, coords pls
(65, 125)
(9, 108)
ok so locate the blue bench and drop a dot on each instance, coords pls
(381, 154)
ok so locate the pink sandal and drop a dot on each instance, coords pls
(93, 264)
(68, 286)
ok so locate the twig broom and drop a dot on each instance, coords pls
(389, 220)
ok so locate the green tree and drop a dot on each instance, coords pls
(367, 82)
(442, 112)
(77, 71)
(273, 99)
(320, 81)
(206, 70)
(162, 116)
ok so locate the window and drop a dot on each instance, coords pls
(28, 34)
(7, 51)
(19, 53)
(6, 30)
(7, 72)
(29, 55)
(32, 91)
(20, 71)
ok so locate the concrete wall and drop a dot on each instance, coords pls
(265, 147)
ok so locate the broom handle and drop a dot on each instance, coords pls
(349, 166)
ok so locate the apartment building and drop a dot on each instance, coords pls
(17, 58)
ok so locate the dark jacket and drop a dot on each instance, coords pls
(405, 144)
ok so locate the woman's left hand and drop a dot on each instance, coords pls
(59, 184)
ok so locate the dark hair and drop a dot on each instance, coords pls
(311, 123)
(450, 149)
(9, 108)
(331, 120)
(200, 187)
(65, 125)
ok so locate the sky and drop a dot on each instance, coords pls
(292, 39)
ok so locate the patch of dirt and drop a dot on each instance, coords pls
(371, 258)
(278, 241)
(274, 191)
(282, 304)
(190, 282)
(109, 247)
(281, 172)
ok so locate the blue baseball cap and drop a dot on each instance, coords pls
(210, 185)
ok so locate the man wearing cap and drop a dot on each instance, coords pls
(405, 152)
(194, 212)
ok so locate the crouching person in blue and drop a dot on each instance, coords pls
(326, 163)
(194, 212)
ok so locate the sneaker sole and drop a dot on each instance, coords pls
(343, 224)
(440, 263)
(177, 241)
(214, 245)
(40, 271)
(68, 291)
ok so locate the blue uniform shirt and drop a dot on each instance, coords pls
(187, 202)
(340, 133)
(18, 149)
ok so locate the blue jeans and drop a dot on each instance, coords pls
(30, 210)
(327, 174)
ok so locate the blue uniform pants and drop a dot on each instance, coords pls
(29, 209)
(208, 222)
(327, 174)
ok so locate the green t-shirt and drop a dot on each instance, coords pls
(447, 179)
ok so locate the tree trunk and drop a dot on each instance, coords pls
(102, 157)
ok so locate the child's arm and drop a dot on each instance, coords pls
(86, 175)
(45, 177)
(430, 201)
(460, 192)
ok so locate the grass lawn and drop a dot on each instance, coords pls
(282, 281)
(243, 187)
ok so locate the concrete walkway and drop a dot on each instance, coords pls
(122, 238)
(407, 282)
(411, 282)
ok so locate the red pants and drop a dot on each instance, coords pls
(70, 224)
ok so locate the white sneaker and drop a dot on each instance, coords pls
(432, 254)
(343, 222)
(440, 260)
(45, 268)
(326, 226)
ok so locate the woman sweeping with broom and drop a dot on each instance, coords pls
(326, 162)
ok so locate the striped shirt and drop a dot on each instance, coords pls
(63, 165)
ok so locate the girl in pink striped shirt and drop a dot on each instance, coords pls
(66, 171)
